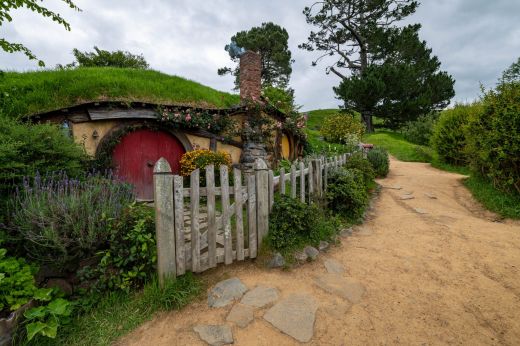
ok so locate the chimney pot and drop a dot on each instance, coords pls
(250, 76)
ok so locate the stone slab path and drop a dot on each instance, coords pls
(435, 269)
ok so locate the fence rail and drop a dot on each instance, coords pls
(196, 230)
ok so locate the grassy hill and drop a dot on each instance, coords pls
(23, 93)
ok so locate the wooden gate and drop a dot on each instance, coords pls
(201, 225)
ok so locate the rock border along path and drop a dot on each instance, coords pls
(446, 276)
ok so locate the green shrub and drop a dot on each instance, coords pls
(201, 158)
(493, 137)
(378, 158)
(347, 193)
(342, 128)
(131, 258)
(27, 149)
(289, 222)
(357, 161)
(17, 285)
(449, 138)
(60, 221)
(420, 130)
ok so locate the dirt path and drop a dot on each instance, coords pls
(444, 273)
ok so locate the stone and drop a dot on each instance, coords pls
(363, 231)
(394, 187)
(300, 256)
(215, 335)
(277, 261)
(430, 195)
(294, 316)
(347, 232)
(225, 292)
(312, 252)
(345, 288)
(333, 267)
(420, 211)
(260, 296)
(323, 246)
(62, 284)
(241, 315)
(406, 197)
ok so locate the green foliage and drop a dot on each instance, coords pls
(24, 93)
(493, 137)
(59, 221)
(378, 158)
(282, 99)
(117, 313)
(33, 5)
(420, 131)
(17, 285)
(449, 139)
(357, 161)
(511, 74)
(399, 147)
(347, 193)
(342, 128)
(104, 58)
(27, 149)
(46, 319)
(289, 222)
(271, 41)
(294, 224)
(132, 254)
(506, 204)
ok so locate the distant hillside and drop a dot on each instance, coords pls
(23, 93)
(317, 116)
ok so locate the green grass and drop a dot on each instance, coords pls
(23, 93)
(118, 313)
(399, 147)
(504, 204)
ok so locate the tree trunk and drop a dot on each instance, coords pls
(366, 117)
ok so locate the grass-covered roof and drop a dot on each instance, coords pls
(25, 93)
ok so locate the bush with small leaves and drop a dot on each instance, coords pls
(342, 128)
(347, 193)
(420, 131)
(357, 161)
(378, 158)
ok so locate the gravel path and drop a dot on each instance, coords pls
(429, 267)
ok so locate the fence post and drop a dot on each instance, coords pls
(316, 179)
(262, 199)
(164, 219)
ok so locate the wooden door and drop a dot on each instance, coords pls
(136, 154)
(286, 147)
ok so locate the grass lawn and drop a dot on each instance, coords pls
(317, 116)
(118, 313)
(400, 147)
(23, 93)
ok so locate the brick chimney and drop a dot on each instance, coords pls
(250, 76)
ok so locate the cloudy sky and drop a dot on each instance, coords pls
(474, 39)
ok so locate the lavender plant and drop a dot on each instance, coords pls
(63, 220)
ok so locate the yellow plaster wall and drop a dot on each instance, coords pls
(83, 133)
(233, 151)
(198, 142)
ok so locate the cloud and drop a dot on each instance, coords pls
(474, 39)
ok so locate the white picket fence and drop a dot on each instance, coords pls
(198, 227)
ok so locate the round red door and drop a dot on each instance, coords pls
(136, 154)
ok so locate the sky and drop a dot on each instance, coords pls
(474, 39)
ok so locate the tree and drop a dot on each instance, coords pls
(282, 99)
(271, 41)
(374, 56)
(512, 74)
(8, 5)
(104, 58)
(405, 85)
